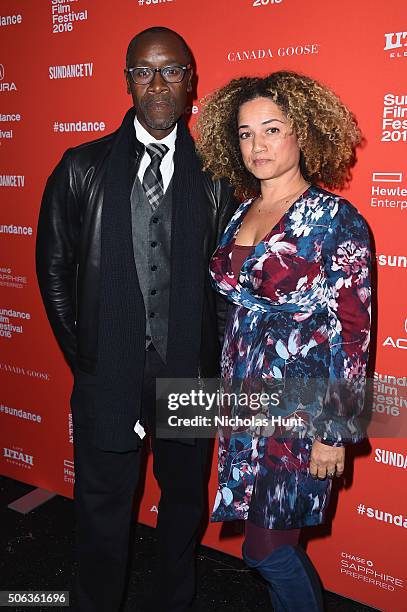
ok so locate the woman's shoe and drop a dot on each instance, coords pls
(294, 585)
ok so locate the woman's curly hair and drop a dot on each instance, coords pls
(326, 130)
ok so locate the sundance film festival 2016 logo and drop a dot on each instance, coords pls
(8, 118)
(11, 322)
(8, 133)
(65, 15)
(5, 135)
(389, 394)
(265, 2)
(4, 85)
(388, 191)
(17, 456)
(394, 122)
(395, 44)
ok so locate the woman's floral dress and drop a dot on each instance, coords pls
(298, 324)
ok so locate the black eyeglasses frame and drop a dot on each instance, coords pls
(158, 69)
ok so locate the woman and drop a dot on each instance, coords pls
(294, 262)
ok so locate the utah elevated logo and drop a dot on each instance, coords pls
(396, 40)
(17, 457)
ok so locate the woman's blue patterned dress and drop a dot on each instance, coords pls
(299, 324)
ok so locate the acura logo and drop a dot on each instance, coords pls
(1, 72)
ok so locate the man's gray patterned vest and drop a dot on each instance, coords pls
(151, 232)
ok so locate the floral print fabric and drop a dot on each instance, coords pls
(298, 323)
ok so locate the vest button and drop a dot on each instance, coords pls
(155, 219)
(154, 244)
(153, 291)
(152, 315)
(154, 268)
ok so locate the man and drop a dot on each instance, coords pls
(126, 229)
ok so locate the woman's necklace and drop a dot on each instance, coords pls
(284, 202)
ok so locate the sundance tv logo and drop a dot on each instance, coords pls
(5, 86)
(71, 71)
(395, 44)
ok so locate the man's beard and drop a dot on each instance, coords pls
(156, 123)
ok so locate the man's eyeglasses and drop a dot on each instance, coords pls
(142, 75)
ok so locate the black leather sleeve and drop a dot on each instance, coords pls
(227, 206)
(56, 248)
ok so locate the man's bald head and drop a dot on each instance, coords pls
(155, 32)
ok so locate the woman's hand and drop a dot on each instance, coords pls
(326, 461)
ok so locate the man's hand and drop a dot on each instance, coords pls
(326, 461)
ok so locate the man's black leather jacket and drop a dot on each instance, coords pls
(68, 253)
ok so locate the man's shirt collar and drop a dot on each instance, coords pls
(146, 138)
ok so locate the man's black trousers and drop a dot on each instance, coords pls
(104, 489)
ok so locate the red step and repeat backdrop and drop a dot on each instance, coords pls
(61, 83)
